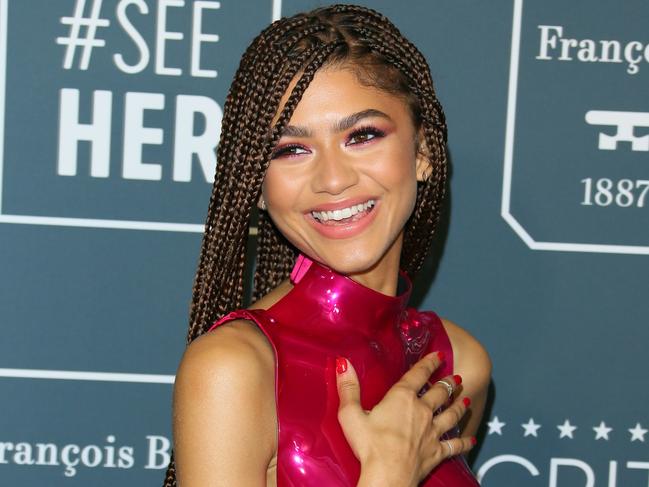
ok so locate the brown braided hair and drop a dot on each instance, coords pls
(347, 36)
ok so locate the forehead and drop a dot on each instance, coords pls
(335, 92)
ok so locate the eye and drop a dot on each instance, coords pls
(288, 151)
(364, 134)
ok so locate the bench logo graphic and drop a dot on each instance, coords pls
(626, 123)
(125, 99)
(576, 165)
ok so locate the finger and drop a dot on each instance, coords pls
(446, 449)
(349, 392)
(419, 373)
(438, 394)
(451, 416)
(457, 446)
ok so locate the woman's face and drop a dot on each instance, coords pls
(346, 145)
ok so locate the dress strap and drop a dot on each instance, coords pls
(245, 314)
(302, 264)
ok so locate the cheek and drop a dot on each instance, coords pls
(276, 188)
(411, 198)
(399, 174)
(281, 195)
(398, 170)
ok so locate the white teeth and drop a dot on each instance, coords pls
(342, 214)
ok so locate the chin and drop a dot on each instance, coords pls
(350, 263)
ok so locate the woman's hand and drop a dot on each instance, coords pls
(398, 441)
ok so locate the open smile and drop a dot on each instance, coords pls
(344, 222)
(350, 213)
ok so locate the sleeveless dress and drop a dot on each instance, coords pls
(326, 315)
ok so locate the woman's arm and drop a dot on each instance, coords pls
(472, 362)
(224, 421)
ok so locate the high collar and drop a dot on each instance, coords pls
(337, 303)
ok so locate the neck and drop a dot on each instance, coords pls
(383, 276)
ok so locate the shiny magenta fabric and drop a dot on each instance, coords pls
(325, 315)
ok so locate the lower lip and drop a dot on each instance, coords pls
(345, 230)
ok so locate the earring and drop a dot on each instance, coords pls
(262, 204)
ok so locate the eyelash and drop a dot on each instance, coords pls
(367, 130)
(284, 151)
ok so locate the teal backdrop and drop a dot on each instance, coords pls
(110, 113)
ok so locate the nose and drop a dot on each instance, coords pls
(334, 172)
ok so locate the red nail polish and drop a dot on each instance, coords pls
(440, 356)
(473, 440)
(466, 401)
(458, 379)
(341, 365)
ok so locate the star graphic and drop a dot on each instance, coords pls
(566, 429)
(637, 433)
(495, 426)
(531, 428)
(602, 431)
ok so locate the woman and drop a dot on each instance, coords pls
(332, 128)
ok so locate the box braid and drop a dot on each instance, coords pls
(345, 36)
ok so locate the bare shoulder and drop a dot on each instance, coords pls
(234, 344)
(234, 351)
(224, 420)
(470, 358)
(229, 344)
(237, 346)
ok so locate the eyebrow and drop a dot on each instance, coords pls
(340, 126)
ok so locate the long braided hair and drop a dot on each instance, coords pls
(349, 36)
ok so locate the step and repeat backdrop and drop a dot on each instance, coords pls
(110, 114)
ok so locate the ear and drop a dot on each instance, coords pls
(422, 157)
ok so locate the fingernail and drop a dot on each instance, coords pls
(341, 365)
(458, 379)
(474, 440)
(466, 401)
(440, 355)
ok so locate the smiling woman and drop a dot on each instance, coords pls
(333, 129)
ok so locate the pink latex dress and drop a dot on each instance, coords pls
(325, 315)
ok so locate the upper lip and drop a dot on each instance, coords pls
(339, 205)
